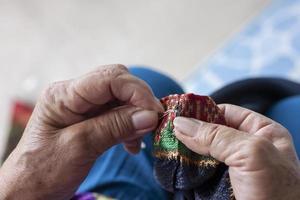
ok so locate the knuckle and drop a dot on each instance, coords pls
(50, 94)
(112, 70)
(120, 67)
(51, 104)
(275, 129)
(115, 126)
(284, 131)
(211, 134)
(120, 125)
(269, 130)
(47, 93)
(257, 146)
(96, 142)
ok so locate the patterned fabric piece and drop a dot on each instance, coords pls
(179, 169)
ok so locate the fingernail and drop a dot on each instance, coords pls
(144, 119)
(186, 126)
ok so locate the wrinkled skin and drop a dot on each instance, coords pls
(259, 152)
(73, 123)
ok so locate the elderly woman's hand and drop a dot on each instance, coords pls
(259, 152)
(73, 123)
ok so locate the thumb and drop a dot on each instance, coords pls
(225, 144)
(122, 124)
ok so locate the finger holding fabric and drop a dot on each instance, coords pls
(73, 123)
(259, 152)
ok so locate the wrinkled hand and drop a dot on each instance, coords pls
(73, 123)
(259, 152)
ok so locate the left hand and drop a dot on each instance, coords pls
(73, 123)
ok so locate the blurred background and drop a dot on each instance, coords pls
(203, 44)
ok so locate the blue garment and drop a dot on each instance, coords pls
(287, 113)
(121, 175)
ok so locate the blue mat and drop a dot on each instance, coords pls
(268, 47)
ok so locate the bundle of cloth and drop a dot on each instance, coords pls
(179, 170)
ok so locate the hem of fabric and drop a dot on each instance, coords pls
(184, 159)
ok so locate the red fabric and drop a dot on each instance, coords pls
(21, 112)
(189, 105)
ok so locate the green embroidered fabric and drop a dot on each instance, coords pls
(169, 146)
(189, 105)
(180, 170)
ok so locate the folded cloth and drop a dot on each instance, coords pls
(180, 170)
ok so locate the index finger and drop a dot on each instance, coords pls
(113, 82)
(73, 100)
(254, 123)
(244, 119)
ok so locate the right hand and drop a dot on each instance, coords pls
(262, 161)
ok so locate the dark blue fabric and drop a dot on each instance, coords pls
(189, 182)
(257, 94)
(121, 175)
(287, 113)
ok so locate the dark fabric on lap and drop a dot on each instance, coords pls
(179, 170)
(257, 94)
